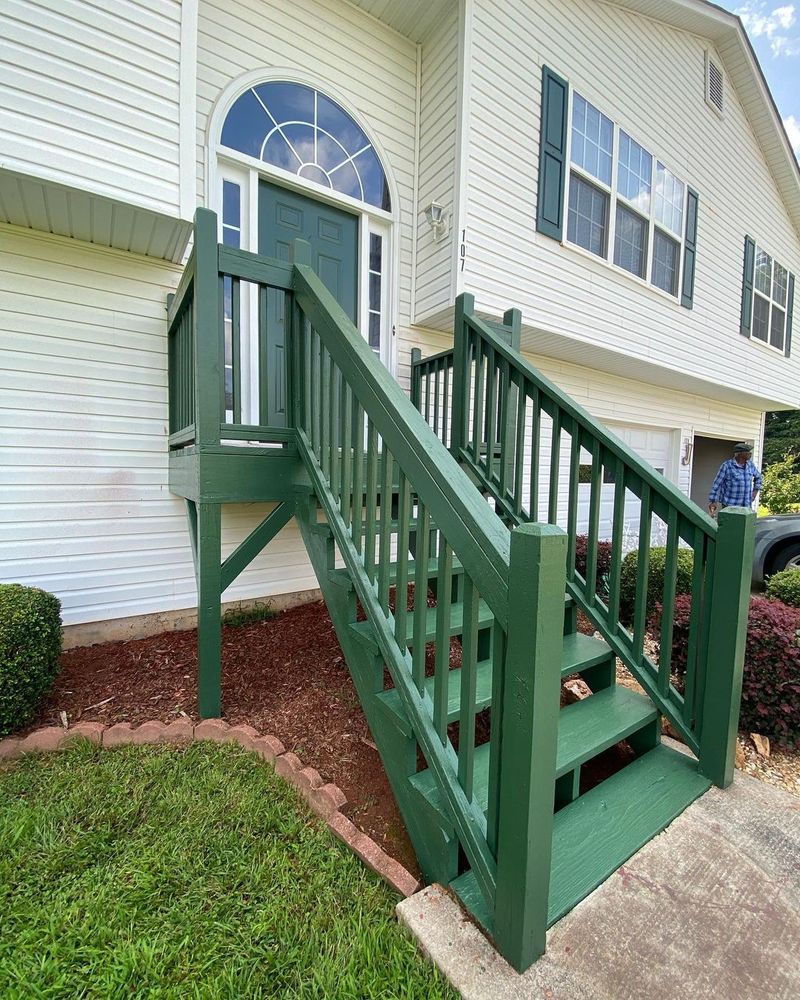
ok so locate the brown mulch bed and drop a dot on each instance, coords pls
(285, 676)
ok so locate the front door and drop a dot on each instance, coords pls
(284, 216)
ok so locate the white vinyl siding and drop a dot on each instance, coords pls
(85, 507)
(437, 166)
(90, 96)
(635, 408)
(649, 79)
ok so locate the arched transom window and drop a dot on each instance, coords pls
(298, 129)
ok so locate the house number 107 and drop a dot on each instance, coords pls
(462, 253)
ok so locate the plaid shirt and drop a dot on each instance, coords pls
(735, 484)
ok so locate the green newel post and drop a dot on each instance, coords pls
(529, 725)
(416, 386)
(207, 331)
(209, 621)
(465, 304)
(730, 600)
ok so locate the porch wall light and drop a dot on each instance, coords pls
(686, 457)
(438, 219)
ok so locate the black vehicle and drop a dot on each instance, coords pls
(777, 545)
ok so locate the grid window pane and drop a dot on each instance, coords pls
(760, 319)
(777, 327)
(763, 272)
(634, 172)
(375, 289)
(587, 218)
(592, 139)
(665, 262)
(780, 282)
(669, 200)
(630, 242)
(231, 204)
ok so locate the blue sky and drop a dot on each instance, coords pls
(774, 30)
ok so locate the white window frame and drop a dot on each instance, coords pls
(614, 195)
(770, 301)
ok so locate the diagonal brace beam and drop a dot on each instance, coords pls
(242, 556)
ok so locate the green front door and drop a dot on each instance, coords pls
(285, 216)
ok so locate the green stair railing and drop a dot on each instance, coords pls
(424, 557)
(531, 448)
(382, 475)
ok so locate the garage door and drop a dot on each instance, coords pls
(653, 444)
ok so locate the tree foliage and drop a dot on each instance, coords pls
(781, 490)
(782, 437)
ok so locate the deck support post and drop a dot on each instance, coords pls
(209, 599)
(528, 730)
(730, 601)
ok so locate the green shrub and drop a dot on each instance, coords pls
(785, 586)
(30, 644)
(780, 491)
(603, 561)
(771, 681)
(655, 580)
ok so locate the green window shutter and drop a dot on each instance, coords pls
(552, 155)
(689, 249)
(747, 286)
(787, 350)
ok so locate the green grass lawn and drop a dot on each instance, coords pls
(158, 872)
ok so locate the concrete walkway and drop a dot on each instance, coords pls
(709, 909)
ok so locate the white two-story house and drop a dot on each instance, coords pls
(618, 171)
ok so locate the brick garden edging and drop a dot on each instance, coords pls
(326, 800)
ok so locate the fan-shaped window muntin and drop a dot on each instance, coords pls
(298, 129)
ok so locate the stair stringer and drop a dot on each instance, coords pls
(435, 845)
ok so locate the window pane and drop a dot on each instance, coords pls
(780, 281)
(587, 218)
(634, 172)
(375, 292)
(375, 252)
(665, 263)
(630, 242)
(760, 318)
(375, 331)
(776, 330)
(295, 128)
(669, 200)
(231, 204)
(230, 236)
(592, 139)
(763, 272)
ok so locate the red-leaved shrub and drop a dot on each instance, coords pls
(603, 561)
(771, 684)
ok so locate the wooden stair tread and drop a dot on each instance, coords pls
(483, 694)
(599, 831)
(585, 729)
(581, 652)
(485, 618)
(343, 576)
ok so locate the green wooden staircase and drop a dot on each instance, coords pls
(443, 533)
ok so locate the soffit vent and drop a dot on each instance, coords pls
(714, 84)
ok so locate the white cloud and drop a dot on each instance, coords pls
(792, 126)
(772, 25)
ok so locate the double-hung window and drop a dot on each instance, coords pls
(767, 298)
(770, 299)
(624, 204)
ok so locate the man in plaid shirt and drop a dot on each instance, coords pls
(738, 481)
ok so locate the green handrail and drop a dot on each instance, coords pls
(387, 484)
(506, 417)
